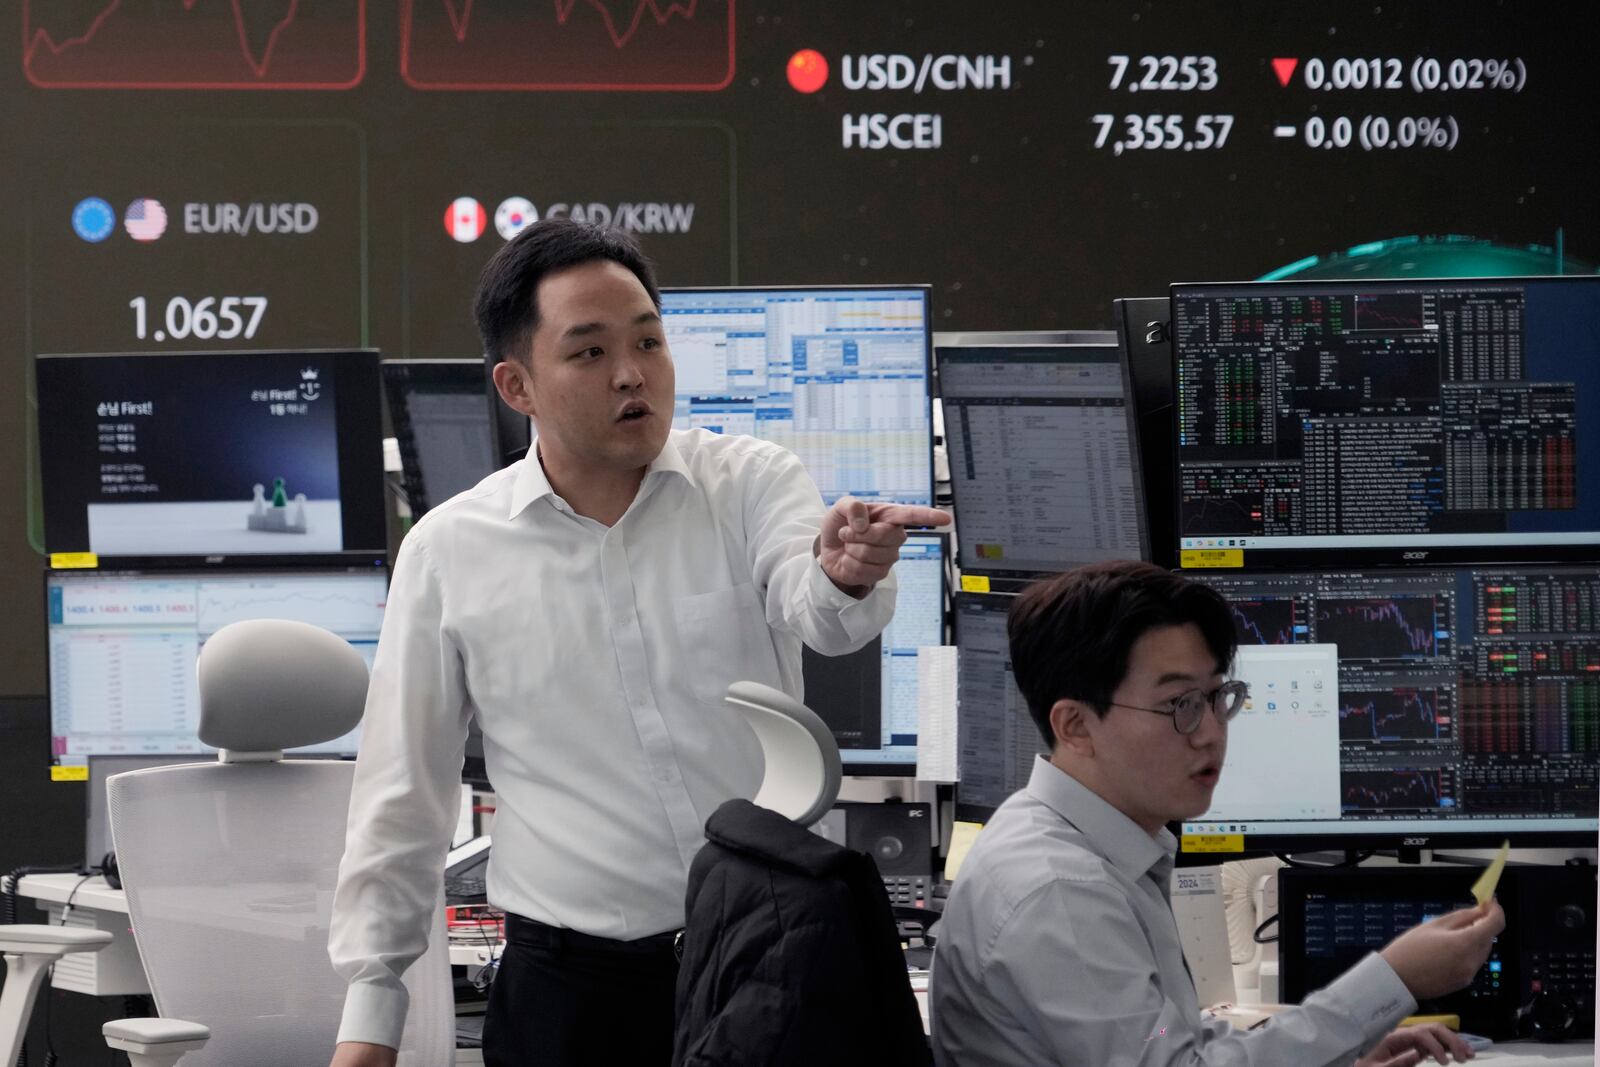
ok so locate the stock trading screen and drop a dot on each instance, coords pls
(1469, 698)
(1042, 460)
(1392, 416)
(837, 376)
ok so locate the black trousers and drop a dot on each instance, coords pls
(565, 999)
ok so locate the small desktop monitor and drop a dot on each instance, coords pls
(1387, 422)
(123, 647)
(869, 698)
(838, 375)
(1413, 707)
(437, 409)
(1043, 459)
(209, 457)
(996, 739)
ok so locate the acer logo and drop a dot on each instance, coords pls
(1414, 555)
(1157, 332)
(1414, 842)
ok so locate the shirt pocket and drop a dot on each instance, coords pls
(723, 638)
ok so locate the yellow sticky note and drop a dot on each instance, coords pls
(1201, 558)
(1483, 888)
(70, 772)
(64, 561)
(1211, 843)
(962, 835)
(974, 583)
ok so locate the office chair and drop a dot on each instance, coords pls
(803, 769)
(230, 866)
(29, 951)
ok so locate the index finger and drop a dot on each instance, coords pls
(909, 515)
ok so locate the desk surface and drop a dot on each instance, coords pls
(94, 893)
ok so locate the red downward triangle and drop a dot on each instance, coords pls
(1285, 69)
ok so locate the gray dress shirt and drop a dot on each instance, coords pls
(1058, 946)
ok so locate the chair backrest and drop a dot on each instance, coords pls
(229, 871)
(230, 867)
(803, 770)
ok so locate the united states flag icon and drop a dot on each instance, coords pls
(145, 220)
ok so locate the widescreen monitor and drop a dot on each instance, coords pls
(1386, 422)
(838, 375)
(123, 647)
(1413, 707)
(869, 698)
(1043, 459)
(437, 409)
(206, 457)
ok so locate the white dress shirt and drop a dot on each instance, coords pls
(595, 659)
(1058, 946)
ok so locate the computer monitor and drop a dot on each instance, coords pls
(123, 646)
(1143, 333)
(1418, 708)
(838, 375)
(436, 407)
(1384, 422)
(1043, 464)
(996, 740)
(207, 457)
(869, 698)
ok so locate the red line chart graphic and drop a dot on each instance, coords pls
(194, 44)
(567, 45)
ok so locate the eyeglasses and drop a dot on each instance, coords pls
(1188, 709)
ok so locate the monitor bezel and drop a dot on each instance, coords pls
(1283, 559)
(924, 288)
(1160, 531)
(1015, 579)
(360, 465)
(178, 573)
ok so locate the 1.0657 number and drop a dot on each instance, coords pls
(223, 318)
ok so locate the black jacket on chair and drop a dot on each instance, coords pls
(790, 953)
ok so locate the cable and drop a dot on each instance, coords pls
(8, 887)
(1262, 929)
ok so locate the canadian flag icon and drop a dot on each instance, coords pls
(465, 219)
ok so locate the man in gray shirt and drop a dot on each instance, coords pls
(1058, 944)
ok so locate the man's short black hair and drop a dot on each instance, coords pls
(505, 306)
(1071, 634)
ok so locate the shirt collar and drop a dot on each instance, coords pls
(1116, 837)
(533, 484)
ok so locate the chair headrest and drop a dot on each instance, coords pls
(271, 684)
(803, 770)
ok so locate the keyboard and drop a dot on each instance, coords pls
(464, 889)
(910, 890)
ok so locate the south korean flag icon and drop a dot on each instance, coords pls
(513, 216)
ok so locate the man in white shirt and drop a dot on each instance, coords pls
(1058, 944)
(589, 605)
